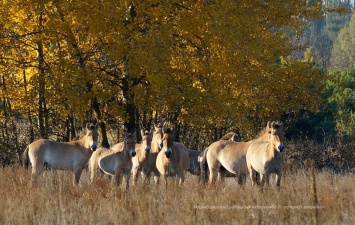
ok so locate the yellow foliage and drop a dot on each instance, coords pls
(207, 60)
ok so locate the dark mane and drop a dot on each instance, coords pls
(79, 136)
(261, 133)
(227, 136)
(168, 130)
(276, 125)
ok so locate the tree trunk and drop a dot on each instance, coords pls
(41, 83)
(102, 125)
(81, 61)
(129, 124)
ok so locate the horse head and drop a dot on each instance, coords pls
(168, 142)
(157, 141)
(146, 141)
(130, 144)
(276, 134)
(92, 135)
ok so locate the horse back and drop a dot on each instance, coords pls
(107, 163)
(58, 155)
(119, 147)
(96, 155)
(183, 156)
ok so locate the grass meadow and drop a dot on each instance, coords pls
(56, 201)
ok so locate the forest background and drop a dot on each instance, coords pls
(205, 67)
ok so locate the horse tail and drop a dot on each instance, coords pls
(203, 166)
(26, 158)
(202, 159)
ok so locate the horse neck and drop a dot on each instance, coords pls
(270, 150)
(171, 143)
(263, 136)
(154, 145)
(125, 150)
(141, 151)
(82, 142)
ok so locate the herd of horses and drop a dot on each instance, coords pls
(159, 156)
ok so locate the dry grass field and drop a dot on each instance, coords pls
(56, 201)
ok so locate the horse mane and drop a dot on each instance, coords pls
(79, 136)
(276, 125)
(261, 133)
(168, 130)
(146, 132)
(227, 136)
(83, 132)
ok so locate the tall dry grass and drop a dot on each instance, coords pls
(56, 201)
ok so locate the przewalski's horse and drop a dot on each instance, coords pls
(119, 163)
(265, 157)
(230, 155)
(156, 145)
(73, 155)
(194, 167)
(141, 161)
(173, 159)
(93, 164)
(203, 167)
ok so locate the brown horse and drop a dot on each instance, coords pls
(119, 163)
(265, 157)
(141, 161)
(173, 159)
(230, 155)
(73, 155)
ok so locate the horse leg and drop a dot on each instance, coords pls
(267, 179)
(156, 177)
(146, 178)
(77, 175)
(135, 172)
(165, 180)
(252, 173)
(257, 178)
(203, 173)
(118, 176)
(37, 169)
(220, 176)
(214, 167)
(181, 176)
(278, 178)
(262, 180)
(241, 178)
(127, 176)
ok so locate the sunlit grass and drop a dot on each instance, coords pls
(56, 201)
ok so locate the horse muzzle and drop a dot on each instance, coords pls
(168, 153)
(132, 153)
(281, 147)
(93, 146)
(147, 149)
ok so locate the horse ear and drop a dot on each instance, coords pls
(142, 132)
(268, 124)
(88, 125)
